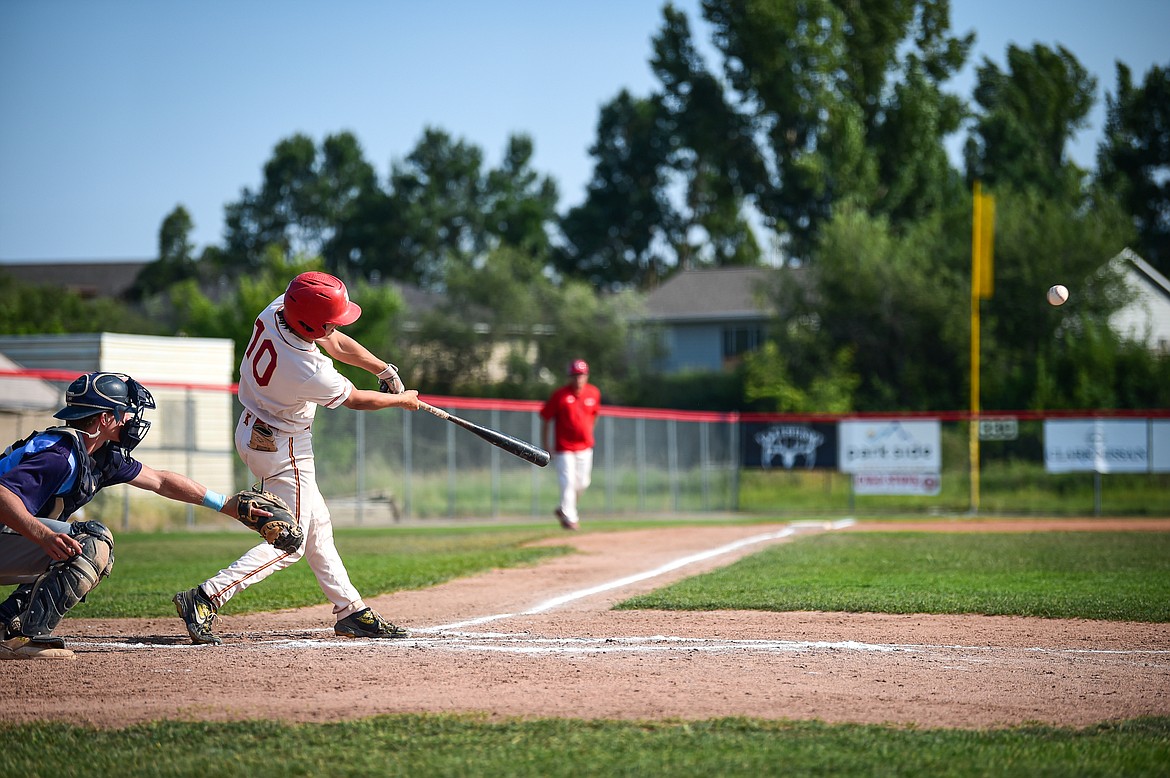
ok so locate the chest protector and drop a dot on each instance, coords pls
(92, 472)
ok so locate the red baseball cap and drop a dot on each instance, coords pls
(578, 367)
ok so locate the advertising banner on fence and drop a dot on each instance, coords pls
(889, 446)
(927, 484)
(1160, 446)
(789, 445)
(1096, 445)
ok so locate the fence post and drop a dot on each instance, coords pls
(640, 453)
(452, 475)
(360, 465)
(495, 466)
(407, 464)
(610, 474)
(672, 460)
(535, 428)
(733, 455)
(189, 434)
(705, 461)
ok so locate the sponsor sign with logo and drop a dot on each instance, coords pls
(789, 445)
(1096, 445)
(889, 446)
(1160, 446)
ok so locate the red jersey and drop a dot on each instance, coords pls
(573, 415)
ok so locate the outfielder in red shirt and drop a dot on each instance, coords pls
(573, 410)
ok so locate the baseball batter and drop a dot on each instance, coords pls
(285, 374)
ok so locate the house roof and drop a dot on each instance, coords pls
(89, 279)
(1149, 274)
(722, 293)
(1145, 316)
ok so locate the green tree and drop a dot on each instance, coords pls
(438, 195)
(29, 309)
(305, 195)
(714, 154)
(1028, 115)
(493, 311)
(520, 203)
(1133, 160)
(769, 385)
(839, 116)
(1039, 241)
(175, 262)
(884, 306)
(613, 237)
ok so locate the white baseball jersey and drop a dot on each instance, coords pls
(284, 378)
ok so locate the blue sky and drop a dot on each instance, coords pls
(112, 112)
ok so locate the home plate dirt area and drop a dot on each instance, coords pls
(544, 642)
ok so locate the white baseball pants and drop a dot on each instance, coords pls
(574, 474)
(290, 473)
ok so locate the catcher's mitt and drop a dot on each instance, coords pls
(280, 530)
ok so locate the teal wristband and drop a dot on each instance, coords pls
(213, 500)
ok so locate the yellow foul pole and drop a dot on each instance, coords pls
(982, 241)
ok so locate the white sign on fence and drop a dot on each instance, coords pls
(1006, 428)
(889, 445)
(1096, 445)
(1160, 445)
(927, 484)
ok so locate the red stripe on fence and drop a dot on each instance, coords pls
(630, 412)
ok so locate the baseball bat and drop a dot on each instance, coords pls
(520, 448)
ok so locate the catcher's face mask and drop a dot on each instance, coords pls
(136, 427)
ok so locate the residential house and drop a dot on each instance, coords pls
(710, 318)
(1145, 317)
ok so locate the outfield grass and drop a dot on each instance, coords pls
(461, 746)
(1121, 576)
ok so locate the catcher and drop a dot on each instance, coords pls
(48, 476)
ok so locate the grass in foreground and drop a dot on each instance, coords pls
(1091, 575)
(451, 745)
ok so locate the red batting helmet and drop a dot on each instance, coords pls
(578, 367)
(315, 300)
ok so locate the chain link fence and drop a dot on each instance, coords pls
(382, 468)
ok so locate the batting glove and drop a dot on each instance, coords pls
(388, 380)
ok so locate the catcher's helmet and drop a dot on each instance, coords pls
(315, 300)
(115, 393)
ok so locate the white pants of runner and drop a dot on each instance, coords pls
(574, 474)
(289, 473)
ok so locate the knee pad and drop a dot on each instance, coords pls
(97, 544)
(66, 583)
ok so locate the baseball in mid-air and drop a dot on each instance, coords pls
(1058, 294)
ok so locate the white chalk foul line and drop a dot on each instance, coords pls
(556, 602)
(524, 644)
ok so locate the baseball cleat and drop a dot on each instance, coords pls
(564, 520)
(21, 647)
(199, 614)
(368, 624)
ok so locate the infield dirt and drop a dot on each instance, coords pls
(499, 645)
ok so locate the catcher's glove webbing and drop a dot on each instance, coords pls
(281, 529)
